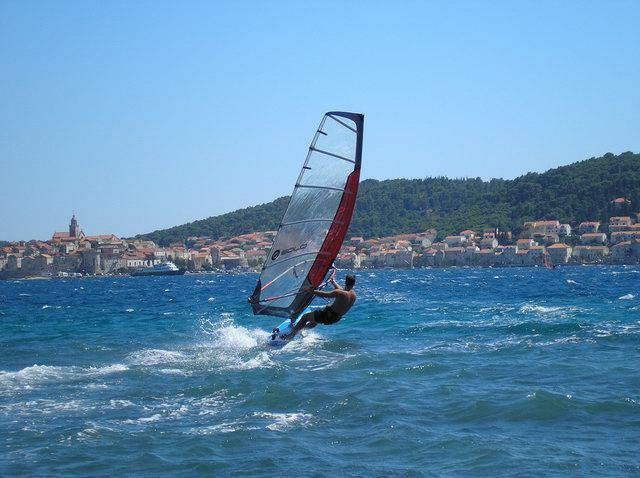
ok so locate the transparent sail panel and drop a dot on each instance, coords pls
(312, 203)
(326, 171)
(338, 139)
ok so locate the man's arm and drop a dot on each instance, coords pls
(321, 293)
(333, 280)
(335, 284)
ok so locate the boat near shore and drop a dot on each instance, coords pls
(162, 269)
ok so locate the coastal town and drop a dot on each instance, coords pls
(539, 243)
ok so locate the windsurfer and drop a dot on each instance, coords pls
(343, 300)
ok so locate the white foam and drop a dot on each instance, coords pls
(174, 371)
(36, 373)
(224, 427)
(627, 297)
(27, 377)
(107, 370)
(282, 421)
(230, 346)
(120, 404)
(155, 356)
(153, 418)
(262, 360)
(305, 340)
(237, 337)
(571, 281)
(541, 309)
(96, 386)
(128, 310)
(210, 299)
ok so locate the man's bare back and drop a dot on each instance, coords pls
(343, 301)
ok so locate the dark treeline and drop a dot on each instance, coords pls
(574, 193)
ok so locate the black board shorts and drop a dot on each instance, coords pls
(326, 316)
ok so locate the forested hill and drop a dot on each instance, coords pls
(574, 193)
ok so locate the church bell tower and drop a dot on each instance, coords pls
(73, 227)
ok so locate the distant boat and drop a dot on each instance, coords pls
(162, 269)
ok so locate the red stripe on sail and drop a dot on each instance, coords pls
(337, 231)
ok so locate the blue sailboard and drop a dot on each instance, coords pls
(278, 337)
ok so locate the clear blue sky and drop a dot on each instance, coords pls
(143, 115)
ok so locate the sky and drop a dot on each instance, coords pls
(144, 115)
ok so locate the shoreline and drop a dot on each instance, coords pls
(240, 272)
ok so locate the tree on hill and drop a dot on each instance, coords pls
(574, 193)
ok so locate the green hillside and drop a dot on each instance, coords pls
(573, 193)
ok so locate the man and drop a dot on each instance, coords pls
(344, 299)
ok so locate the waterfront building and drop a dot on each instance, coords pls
(559, 253)
(484, 258)
(456, 256)
(398, 258)
(255, 257)
(621, 236)
(74, 232)
(14, 262)
(469, 234)
(439, 246)
(202, 259)
(525, 243)
(588, 227)
(625, 252)
(536, 255)
(546, 239)
(91, 262)
(522, 258)
(455, 241)
(619, 223)
(233, 261)
(545, 228)
(590, 254)
(593, 238)
(489, 243)
(350, 260)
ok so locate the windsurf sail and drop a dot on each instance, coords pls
(316, 220)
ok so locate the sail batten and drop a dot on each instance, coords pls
(331, 154)
(316, 219)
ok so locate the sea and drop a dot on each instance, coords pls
(434, 372)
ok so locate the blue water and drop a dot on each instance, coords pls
(478, 372)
